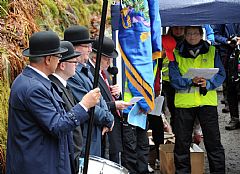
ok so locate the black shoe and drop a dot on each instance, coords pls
(232, 125)
(225, 109)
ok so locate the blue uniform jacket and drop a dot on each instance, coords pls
(38, 127)
(80, 84)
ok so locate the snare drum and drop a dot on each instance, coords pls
(97, 165)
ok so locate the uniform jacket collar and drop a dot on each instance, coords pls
(33, 74)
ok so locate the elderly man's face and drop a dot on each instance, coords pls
(85, 50)
(105, 62)
(54, 60)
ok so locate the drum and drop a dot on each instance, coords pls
(99, 165)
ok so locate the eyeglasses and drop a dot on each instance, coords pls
(193, 34)
(72, 61)
(86, 45)
(57, 55)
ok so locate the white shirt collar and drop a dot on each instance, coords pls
(91, 62)
(64, 82)
(39, 72)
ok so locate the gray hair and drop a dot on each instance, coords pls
(36, 59)
(92, 55)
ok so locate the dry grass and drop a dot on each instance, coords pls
(18, 20)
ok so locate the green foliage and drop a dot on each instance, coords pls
(58, 15)
(3, 8)
(50, 6)
(97, 7)
(4, 94)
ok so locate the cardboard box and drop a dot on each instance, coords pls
(167, 159)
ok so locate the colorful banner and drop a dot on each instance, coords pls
(140, 43)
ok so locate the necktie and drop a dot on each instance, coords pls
(106, 81)
(85, 71)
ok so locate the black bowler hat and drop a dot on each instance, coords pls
(77, 35)
(70, 53)
(43, 43)
(108, 49)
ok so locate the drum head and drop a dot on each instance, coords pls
(99, 165)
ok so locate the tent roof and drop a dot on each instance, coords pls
(195, 12)
(192, 12)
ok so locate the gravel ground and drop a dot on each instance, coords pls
(230, 141)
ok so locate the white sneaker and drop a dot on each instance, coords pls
(150, 169)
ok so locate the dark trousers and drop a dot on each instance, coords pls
(169, 94)
(115, 140)
(184, 121)
(156, 125)
(232, 98)
(135, 149)
(225, 59)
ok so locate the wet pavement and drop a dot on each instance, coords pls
(230, 141)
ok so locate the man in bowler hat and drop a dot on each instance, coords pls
(83, 81)
(79, 37)
(39, 128)
(111, 94)
(66, 69)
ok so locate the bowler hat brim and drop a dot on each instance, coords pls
(114, 54)
(27, 53)
(75, 42)
(71, 56)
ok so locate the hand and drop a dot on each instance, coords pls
(120, 105)
(199, 81)
(141, 111)
(196, 80)
(91, 98)
(105, 130)
(115, 90)
(202, 82)
(112, 127)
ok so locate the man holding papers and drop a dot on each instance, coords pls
(196, 97)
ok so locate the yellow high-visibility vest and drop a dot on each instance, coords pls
(191, 97)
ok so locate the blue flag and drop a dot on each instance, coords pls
(140, 43)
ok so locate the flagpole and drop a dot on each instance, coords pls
(95, 84)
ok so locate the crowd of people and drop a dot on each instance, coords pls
(50, 100)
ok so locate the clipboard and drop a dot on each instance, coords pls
(206, 73)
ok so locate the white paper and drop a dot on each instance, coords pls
(135, 99)
(206, 73)
(158, 103)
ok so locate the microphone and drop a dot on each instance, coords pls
(113, 71)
